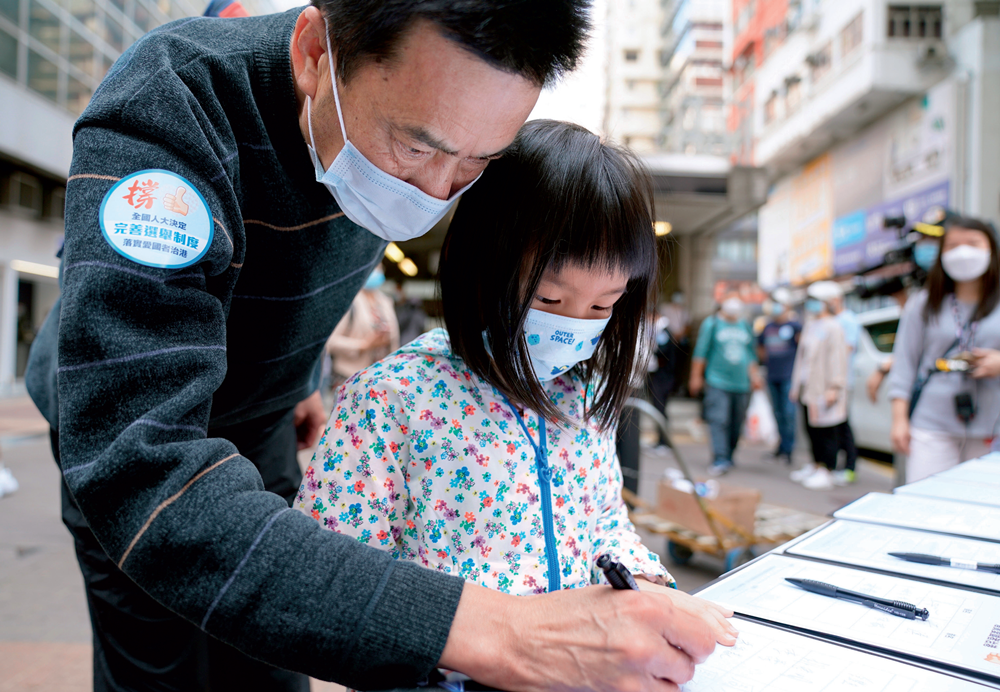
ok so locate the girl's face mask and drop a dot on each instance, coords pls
(557, 343)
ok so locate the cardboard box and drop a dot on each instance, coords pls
(739, 505)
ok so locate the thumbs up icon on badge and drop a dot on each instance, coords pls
(175, 202)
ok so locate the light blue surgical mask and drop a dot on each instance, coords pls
(390, 208)
(557, 343)
(375, 279)
(925, 254)
(813, 306)
(777, 309)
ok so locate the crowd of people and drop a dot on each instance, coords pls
(942, 374)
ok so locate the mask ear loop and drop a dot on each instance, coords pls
(333, 80)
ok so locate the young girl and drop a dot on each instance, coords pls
(487, 450)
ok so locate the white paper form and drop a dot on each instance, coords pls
(957, 490)
(963, 628)
(851, 543)
(766, 659)
(969, 475)
(926, 514)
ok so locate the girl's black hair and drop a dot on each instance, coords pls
(939, 284)
(559, 196)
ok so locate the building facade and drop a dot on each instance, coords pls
(693, 114)
(634, 73)
(866, 110)
(53, 55)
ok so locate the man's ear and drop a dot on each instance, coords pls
(308, 51)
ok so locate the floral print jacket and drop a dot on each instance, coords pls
(429, 462)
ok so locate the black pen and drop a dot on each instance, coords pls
(897, 608)
(616, 574)
(947, 562)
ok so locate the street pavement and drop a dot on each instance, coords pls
(44, 627)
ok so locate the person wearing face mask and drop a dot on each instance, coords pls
(367, 333)
(940, 418)
(819, 384)
(233, 184)
(486, 450)
(777, 345)
(724, 365)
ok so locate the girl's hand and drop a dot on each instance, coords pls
(713, 615)
(793, 395)
(695, 385)
(831, 397)
(900, 435)
(873, 384)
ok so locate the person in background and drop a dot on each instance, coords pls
(852, 332)
(724, 365)
(367, 333)
(925, 253)
(410, 315)
(942, 418)
(660, 375)
(777, 345)
(819, 384)
(679, 324)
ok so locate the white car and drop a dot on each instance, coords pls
(871, 422)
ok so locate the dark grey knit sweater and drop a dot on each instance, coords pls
(135, 363)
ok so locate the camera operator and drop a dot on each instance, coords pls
(943, 386)
(922, 252)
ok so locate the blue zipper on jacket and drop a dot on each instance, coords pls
(545, 486)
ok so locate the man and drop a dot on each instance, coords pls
(777, 344)
(203, 270)
(724, 364)
(852, 332)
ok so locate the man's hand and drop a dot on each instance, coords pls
(756, 381)
(695, 384)
(985, 362)
(309, 420)
(593, 638)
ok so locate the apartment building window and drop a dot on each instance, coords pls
(850, 35)
(631, 55)
(771, 108)
(8, 54)
(819, 62)
(57, 203)
(61, 49)
(741, 250)
(24, 191)
(793, 92)
(914, 21)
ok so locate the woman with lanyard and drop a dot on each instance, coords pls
(945, 403)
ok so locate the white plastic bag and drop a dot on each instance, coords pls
(760, 424)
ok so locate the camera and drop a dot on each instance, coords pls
(883, 280)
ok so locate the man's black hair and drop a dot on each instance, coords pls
(537, 39)
(559, 197)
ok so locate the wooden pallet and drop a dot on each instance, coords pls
(773, 525)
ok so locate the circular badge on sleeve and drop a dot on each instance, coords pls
(157, 218)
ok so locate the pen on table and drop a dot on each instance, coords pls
(948, 562)
(616, 574)
(897, 608)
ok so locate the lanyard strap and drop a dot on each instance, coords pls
(965, 332)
